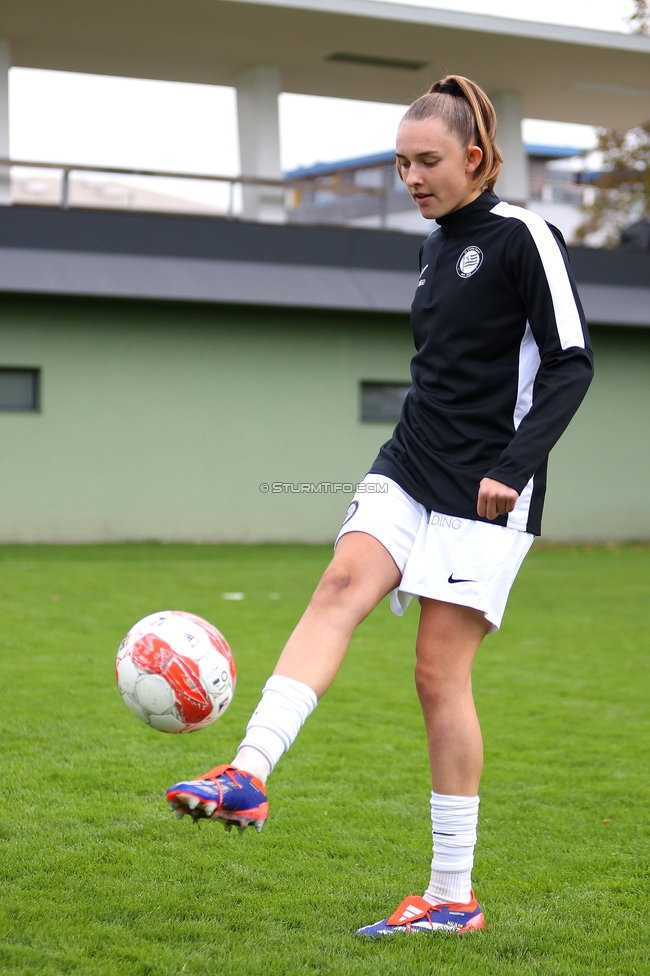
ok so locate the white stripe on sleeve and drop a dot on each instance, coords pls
(567, 316)
(518, 517)
(529, 362)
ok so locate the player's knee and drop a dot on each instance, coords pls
(426, 681)
(432, 683)
(334, 586)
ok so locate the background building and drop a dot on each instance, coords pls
(170, 366)
(156, 370)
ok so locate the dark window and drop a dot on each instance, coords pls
(382, 402)
(19, 388)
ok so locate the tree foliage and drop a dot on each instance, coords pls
(639, 21)
(622, 192)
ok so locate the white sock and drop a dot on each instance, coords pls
(454, 820)
(275, 723)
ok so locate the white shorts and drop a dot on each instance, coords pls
(441, 557)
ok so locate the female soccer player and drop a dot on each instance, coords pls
(502, 363)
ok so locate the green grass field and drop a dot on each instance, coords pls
(98, 878)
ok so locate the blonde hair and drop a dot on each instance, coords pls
(469, 114)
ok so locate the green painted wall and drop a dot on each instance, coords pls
(160, 421)
(599, 472)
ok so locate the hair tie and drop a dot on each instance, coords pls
(449, 88)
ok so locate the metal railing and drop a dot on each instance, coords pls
(299, 185)
(366, 193)
(561, 191)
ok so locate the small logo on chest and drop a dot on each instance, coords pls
(469, 262)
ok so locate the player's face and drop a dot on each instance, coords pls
(437, 170)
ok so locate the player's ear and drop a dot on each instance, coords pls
(474, 157)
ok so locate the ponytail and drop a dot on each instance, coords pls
(469, 114)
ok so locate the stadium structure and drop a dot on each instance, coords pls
(229, 377)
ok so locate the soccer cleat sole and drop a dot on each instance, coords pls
(475, 924)
(444, 931)
(199, 809)
(241, 825)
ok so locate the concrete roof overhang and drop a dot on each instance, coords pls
(564, 73)
(104, 254)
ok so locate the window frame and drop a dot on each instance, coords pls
(405, 385)
(36, 372)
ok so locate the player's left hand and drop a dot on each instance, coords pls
(495, 499)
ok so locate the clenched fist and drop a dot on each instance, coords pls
(495, 499)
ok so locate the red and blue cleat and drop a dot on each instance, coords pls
(417, 915)
(226, 794)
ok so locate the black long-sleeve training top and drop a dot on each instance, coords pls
(502, 362)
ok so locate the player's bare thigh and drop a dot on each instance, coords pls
(448, 638)
(361, 573)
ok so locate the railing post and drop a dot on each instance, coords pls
(65, 190)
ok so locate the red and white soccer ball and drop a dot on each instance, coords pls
(175, 671)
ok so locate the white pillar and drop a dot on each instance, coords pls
(5, 64)
(258, 119)
(512, 184)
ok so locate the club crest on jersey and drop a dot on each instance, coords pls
(469, 262)
(352, 509)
